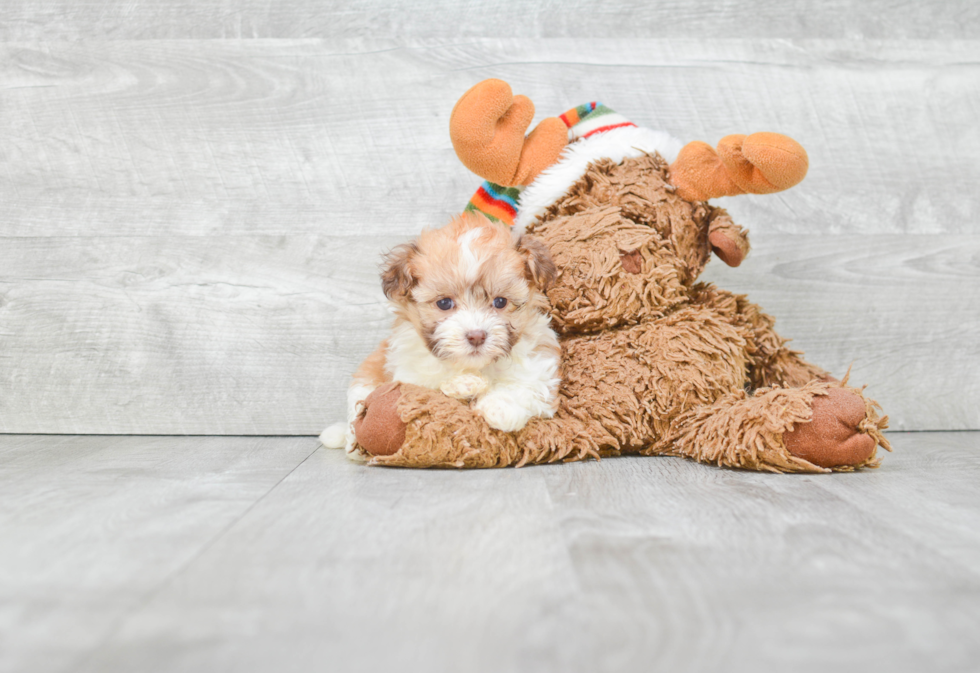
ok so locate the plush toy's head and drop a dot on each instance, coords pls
(624, 244)
(623, 209)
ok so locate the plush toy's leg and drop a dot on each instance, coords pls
(818, 427)
(784, 367)
(409, 426)
(769, 362)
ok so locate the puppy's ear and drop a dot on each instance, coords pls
(398, 275)
(539, 268)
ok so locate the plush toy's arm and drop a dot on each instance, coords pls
(727, 240)
(409, 426)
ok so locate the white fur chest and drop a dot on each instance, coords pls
(408, 360)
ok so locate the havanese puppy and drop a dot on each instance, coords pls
(471, 320)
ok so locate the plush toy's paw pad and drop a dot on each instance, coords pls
(832, 438)
(464, 386)
(501, 413)
(378, 428)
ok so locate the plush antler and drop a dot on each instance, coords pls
(487, 129)
(761, 163)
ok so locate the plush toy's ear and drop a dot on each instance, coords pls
(487, 128)
(398, 275)
(761, 163)
(727, 240)
(539, 268)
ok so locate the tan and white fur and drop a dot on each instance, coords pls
(471, 320)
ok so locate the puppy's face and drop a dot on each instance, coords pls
(468, 289)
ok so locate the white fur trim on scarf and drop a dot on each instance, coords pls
(617, 144)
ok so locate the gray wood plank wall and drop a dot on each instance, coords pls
(190, 221)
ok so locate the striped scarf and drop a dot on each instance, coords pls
(500, 203)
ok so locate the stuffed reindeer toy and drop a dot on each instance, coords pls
(652, 362)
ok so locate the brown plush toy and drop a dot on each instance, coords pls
(653, 362)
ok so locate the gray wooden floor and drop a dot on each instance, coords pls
(262, 553)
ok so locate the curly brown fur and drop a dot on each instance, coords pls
(639, 188)
(769, 361)
(652, 362)
(593, 291)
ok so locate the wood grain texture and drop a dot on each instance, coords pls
(259, 334)
(190, 228)
(191, 554)
(899, 311)
(185, 335)
(287, 136)
(91, 527)
(249, 19)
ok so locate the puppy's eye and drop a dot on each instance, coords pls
(499, 302)
(445, 303)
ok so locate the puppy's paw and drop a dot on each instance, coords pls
(464, 386)
(334, 437)
(502, 413)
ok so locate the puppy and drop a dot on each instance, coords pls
(471, 320)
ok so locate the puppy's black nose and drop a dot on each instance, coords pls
(476, 337)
